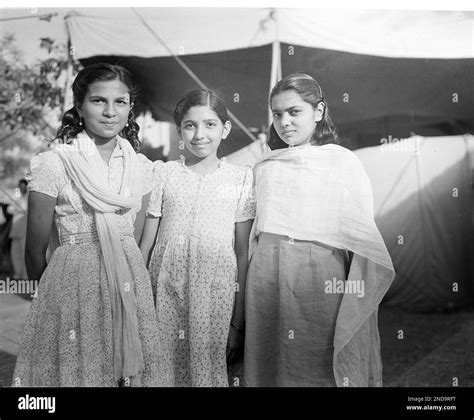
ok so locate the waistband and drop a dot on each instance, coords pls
(265, 238)
(78, 238)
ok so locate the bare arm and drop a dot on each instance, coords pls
(241, 247)
(140, 217)
(148, 237)
(39, 225)
(235, 340)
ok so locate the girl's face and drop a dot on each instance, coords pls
(105, 109)
(202, 131)
(294, 119)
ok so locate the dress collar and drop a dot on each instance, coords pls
(182, 162)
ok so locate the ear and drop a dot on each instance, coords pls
(227, 128)
(319, 111)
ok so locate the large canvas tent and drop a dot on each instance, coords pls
(385, 73)
(423, 201)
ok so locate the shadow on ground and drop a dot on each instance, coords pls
(7, 366)
(428, 349)
(418, 350)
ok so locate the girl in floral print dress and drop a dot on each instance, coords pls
(92, 322)
(200, 214)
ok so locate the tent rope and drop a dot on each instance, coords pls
(192, 74)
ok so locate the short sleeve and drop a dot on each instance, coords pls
(44, 174)
(246, 205)
(158, 184)
(147, 171)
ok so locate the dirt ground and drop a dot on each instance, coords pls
(432, 350)
(436, 349)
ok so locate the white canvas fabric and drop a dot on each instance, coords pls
(423, 207)
(387, 33)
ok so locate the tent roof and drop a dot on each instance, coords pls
(383, 72)
(420, 34)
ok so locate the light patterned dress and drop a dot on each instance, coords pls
(195, 267)
(68, 333)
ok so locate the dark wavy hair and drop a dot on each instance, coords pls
(100, 72)
(200, 97)
(310, 91)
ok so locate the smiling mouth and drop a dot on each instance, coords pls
(199, 144)
(288, 132)
(109, 124)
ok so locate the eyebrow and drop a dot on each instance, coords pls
(103, 97)
(287, 109)
(207, 120)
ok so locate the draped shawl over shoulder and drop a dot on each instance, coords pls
(85, 167)
(322, 193)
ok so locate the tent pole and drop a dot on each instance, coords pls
(68, 100)
(275, 72)
(193, 75)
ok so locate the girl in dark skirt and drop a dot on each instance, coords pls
(319, 267)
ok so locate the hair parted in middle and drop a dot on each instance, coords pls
(310, 91)
(201, 97)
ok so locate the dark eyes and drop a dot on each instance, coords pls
(292, 112)
(208, 125)
(100, 100)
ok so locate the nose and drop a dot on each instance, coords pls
(109, 110)
(285, 119)
(199, 132)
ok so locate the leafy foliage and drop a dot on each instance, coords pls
(31, 102)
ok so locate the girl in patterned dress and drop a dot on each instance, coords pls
(200, 216)
(92, 322)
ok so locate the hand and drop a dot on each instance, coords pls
(11, 209)
(235, 345)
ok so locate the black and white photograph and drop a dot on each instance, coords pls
(276, 199)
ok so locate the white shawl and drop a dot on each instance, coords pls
(322, 193)
(85, 167)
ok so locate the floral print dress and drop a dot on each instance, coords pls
(68, 333)
(194, 267)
